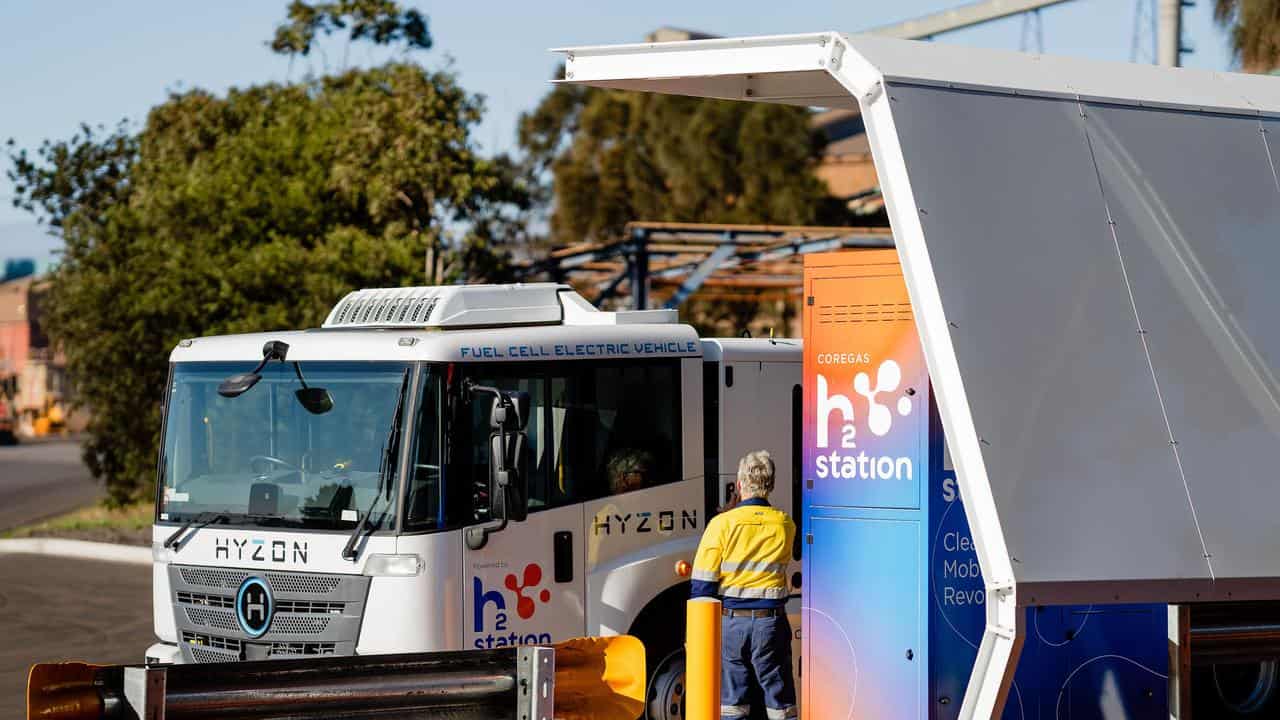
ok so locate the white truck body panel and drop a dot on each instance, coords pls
(552, 342)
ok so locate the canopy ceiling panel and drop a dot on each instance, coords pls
(1076, 450)
(1197, 215)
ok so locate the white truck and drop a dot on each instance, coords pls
(339, 499)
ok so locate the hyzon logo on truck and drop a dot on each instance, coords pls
(527, 596)
(643, 522)
(278, 551)
(843, 462)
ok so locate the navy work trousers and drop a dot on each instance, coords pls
(756, 649)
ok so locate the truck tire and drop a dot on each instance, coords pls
(665, 700)
(660, 626)
(1237, 690)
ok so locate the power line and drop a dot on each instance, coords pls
(960, 17)
(1142, 48)
(1032, 32)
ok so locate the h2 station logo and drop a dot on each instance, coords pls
(846, 460)
(525, 596)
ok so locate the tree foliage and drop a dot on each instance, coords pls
(617, 157)
(382, 22)
(1254, 27)
(250, 212)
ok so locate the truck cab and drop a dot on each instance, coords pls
(329, 491)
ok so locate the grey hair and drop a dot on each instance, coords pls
(755, 474)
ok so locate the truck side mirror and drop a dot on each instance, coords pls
(508, 488)
(316, 400)
(508, 463)
(510, 412)
(238, 384)
(506, 494)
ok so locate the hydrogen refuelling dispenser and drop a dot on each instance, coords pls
(893, 592)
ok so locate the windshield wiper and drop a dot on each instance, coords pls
(204, 519)
(389, 450)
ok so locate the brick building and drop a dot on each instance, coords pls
(33, 381)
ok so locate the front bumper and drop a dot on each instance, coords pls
(164, 654)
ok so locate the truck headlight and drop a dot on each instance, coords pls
(386, 565)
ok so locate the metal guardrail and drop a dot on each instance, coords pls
(516, 683)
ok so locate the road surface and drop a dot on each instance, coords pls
(41, 479)
(62, 609)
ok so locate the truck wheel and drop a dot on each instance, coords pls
(666, 689)
(1247, 689)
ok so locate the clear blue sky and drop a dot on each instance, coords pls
(64, 63)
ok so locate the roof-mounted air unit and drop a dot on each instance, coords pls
(463, 306)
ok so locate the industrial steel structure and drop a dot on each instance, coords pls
(675, 260)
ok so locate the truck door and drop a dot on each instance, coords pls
(760, 406)
(756, 411)
(526, 585)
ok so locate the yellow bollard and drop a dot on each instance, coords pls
(702, 660)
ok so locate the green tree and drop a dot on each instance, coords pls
(382, 22)
(252, 211)
(1254, 27)
(616, 156)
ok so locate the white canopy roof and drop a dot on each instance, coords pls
(1091, 251)
(819, 70)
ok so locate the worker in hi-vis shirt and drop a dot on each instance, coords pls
(742, 558)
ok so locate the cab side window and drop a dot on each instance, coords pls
(615, 427)
(473, 451)
(595, 428)
(432, 502)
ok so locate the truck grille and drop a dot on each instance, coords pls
(313, 614)
(283, 606)
(221, 601)
(293, 625)
(303, 606)
(209, 641)
(279, 582)
(209, 649)
(221, 620)
(210, 577)
(308, 584)
(278, 649)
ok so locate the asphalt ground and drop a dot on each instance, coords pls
(55, 609)
(42, 479)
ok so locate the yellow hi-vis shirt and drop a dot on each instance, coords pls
(743, 556)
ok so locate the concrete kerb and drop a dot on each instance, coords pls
(78, 549)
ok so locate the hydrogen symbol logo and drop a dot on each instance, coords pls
(503, 634)
(254, 607)
(888, 378)
(532, 578)
(848, 462)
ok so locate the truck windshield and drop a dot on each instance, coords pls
(263, 459)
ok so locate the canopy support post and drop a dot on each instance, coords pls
(1001, 644)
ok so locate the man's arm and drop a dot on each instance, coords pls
(706, 564)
